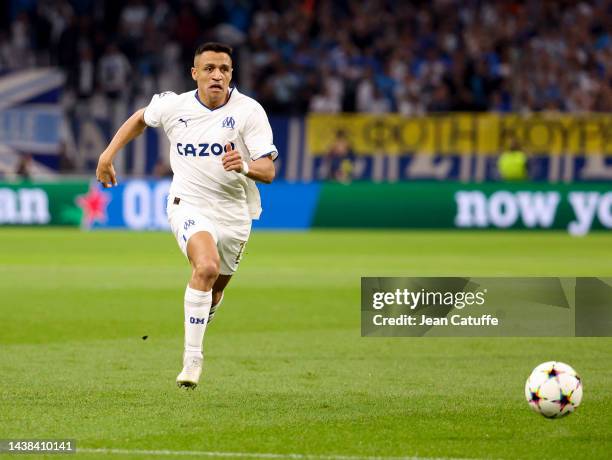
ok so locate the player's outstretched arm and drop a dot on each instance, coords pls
(261, 170)
(132, 128)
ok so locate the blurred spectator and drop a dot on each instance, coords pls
(68, 43)
(339, 161)
(365, 92)
(24, 167)
(440, 100)
(66, 164)
(21, 42)
(380, 103)
(113, 72)
(324, 103)
(132, 19)
(410, 105)
(283, 85)
(85, 74)
(8, 59)
(330, 99)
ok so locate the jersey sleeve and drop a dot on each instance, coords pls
(155, 111)
(258, 137)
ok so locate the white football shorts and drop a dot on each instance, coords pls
(186, 221)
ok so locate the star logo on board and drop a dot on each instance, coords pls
(93, 204)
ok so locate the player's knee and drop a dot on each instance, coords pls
(206, 271)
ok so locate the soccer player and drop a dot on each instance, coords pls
(220, 144)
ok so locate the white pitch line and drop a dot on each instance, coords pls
(200, 453)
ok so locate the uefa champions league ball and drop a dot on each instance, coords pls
(553, 389)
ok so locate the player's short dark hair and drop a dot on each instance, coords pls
(216, 47)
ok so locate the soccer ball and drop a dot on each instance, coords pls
(553, 389)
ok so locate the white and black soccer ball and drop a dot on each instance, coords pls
(553, 389)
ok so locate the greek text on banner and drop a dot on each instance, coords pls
(464, 133)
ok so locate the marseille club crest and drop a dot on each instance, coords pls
(228, 123)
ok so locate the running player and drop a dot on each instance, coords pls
(220, 144)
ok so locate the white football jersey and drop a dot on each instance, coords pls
(198, 136)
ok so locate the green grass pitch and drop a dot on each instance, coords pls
(286, 369)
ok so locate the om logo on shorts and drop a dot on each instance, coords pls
(188, 223)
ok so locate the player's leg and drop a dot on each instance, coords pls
(217, 294)
(231, 249)
(197, 238)
(205, 262)
(204, 258)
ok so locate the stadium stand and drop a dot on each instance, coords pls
(330, 56)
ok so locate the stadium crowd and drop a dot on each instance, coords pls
(330, 56)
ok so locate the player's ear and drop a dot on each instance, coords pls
(194, 74)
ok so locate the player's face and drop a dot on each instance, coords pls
(213, 73)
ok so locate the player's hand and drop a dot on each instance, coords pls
(232, 160)
(105, 172)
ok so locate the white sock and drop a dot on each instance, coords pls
(197, 309)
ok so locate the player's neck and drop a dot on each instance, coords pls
(212, 102)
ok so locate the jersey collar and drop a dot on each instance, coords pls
(216, 108)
